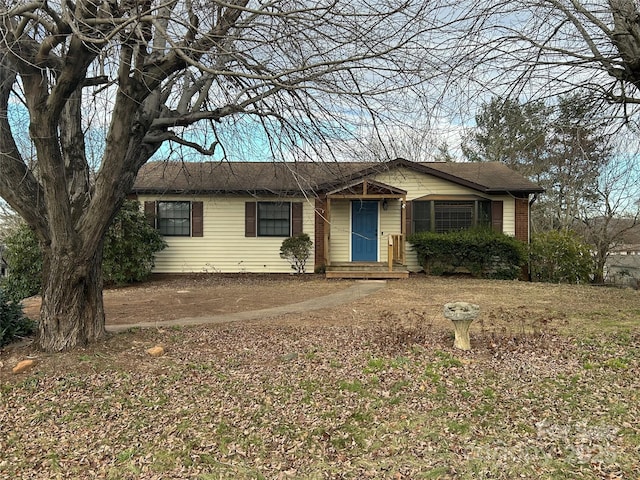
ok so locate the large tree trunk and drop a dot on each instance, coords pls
(72, 312)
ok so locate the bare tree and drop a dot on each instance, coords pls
(535, 48)
(613, 214)
(175, 72)
(413, 142)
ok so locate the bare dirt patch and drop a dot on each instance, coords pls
(506, 306)
(170, 297)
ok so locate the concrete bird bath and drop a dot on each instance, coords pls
(461, 314)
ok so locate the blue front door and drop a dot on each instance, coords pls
(364, 231)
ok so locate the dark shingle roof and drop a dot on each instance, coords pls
(292, 177)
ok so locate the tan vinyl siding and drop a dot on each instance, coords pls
(389, 225)
(508, 214)
(340, 240)
(223, 248)
(418, 184)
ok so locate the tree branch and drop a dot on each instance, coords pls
(170, 136)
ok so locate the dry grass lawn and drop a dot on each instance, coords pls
(369, 389)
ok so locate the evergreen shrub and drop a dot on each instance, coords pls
(297, 250)
(129, 247)
(560, 257)
(482, 252)
(13, 323)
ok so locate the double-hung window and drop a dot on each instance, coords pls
(274, 219)
(443, 216)
(174, 218)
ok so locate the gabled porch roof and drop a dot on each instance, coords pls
(366, 188)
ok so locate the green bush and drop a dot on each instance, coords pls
(13, 323)
(297, 250)
(560, 257)
(482, 252)
(129, 247)
(24, 258)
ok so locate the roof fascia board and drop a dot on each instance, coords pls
(392, 190)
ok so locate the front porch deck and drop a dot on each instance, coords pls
(366, 271)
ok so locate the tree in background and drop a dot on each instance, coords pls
(589, 187)
(613, 215)
(579, 149)
(9, 220)
(510, 132)
(563, 148)
(24, 258)
(542, 48)
(184, 74)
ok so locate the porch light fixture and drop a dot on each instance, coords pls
(385, 204)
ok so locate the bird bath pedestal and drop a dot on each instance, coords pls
(461, 314)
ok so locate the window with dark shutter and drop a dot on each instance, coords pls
(422, 220)
(174, 218)
(150, 213)
(408, 217)
(497, 215)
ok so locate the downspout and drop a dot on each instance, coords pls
(531, 202)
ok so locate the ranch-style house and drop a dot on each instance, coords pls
(230, 217)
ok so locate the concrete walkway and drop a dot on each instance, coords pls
(361, 288)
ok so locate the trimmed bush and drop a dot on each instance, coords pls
(482, 252)
(297, 250)
(560, 257)
(13, 323)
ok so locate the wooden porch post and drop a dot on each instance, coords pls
(327, 232)
(403, 217)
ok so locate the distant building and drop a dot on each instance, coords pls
(623, 265)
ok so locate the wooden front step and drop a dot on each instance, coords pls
(365, 270)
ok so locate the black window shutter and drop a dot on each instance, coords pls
(250, 219)
(197, 229)
(150, 213)
(296, 218)
(409, 219)
(496, 215)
